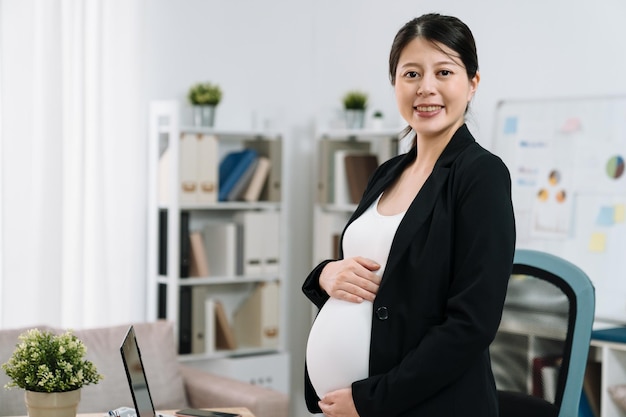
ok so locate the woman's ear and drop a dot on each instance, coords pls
(473, 86)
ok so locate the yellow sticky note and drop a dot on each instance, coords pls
(597, 243)
(619, 213)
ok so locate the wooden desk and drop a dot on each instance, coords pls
(239, 410)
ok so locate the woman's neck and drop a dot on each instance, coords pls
(430, 148)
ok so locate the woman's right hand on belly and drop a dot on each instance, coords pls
(352, 279)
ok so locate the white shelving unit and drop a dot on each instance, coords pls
(612, 357)
(266, 363)
(530, 335)
(330, 216)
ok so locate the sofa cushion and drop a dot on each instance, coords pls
(11, 400)
(158, 351)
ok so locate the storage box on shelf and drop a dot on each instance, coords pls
(216, 240)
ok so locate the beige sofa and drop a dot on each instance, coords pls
(172, 384)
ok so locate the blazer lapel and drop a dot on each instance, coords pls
(424, 203)
(415, 217)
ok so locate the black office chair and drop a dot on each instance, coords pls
(544, 337)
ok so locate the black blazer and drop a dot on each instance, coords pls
(441, 296)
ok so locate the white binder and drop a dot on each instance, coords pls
(259, 242)
(251, 242)
(270, 261)
(207, 168)
(198, 328)
(209, 325)
(256, 322)
(220, 242)
(187, 168)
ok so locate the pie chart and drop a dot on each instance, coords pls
(615, 167)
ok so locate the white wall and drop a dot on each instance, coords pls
(286, 64)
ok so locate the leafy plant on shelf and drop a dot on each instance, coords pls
(202, 94)
(355, 100)
(47, 362)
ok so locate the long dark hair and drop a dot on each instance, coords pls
(436, 28)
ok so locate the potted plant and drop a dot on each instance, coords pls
(354, 104)
(377, 120)
(204, 97)
(51, 369)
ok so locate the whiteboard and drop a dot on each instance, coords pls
(566, 158)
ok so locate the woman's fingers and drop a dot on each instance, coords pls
(352, 279)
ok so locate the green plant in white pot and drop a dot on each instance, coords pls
(377, 120)
(204, 97)
(52, 369)
(354, 104)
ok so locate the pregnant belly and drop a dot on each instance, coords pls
(337, 352)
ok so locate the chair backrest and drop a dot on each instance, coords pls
(546, 324)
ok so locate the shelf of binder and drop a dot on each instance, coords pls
(226, 170)
(243, 247)
(205, 269)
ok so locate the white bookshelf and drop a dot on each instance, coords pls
(531, 335)
(232, 290)
(330, 217)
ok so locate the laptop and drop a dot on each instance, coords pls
(136, 375)
(138, 383)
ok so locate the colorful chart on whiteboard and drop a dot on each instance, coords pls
(566, 159)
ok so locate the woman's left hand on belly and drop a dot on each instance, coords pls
(351, 279)
(338, 403)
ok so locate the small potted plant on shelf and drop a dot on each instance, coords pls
(204, 97)
(377, 120)
(51, 369)
(354, 104)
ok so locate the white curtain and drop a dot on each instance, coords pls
(72, 136)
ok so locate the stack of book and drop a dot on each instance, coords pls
(242, 175)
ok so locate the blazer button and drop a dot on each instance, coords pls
(382, 313)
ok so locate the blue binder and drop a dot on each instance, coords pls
(232, 167)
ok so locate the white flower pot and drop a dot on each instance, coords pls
(52, 404)
(355, 119)
(204, 116)
(377, 123)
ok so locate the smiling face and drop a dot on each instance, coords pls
(432, 88)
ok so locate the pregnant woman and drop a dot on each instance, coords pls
(409, 309)
(338, 348)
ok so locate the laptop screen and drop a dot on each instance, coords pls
(131, 356)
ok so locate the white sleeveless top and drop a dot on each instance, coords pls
(337, 352)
